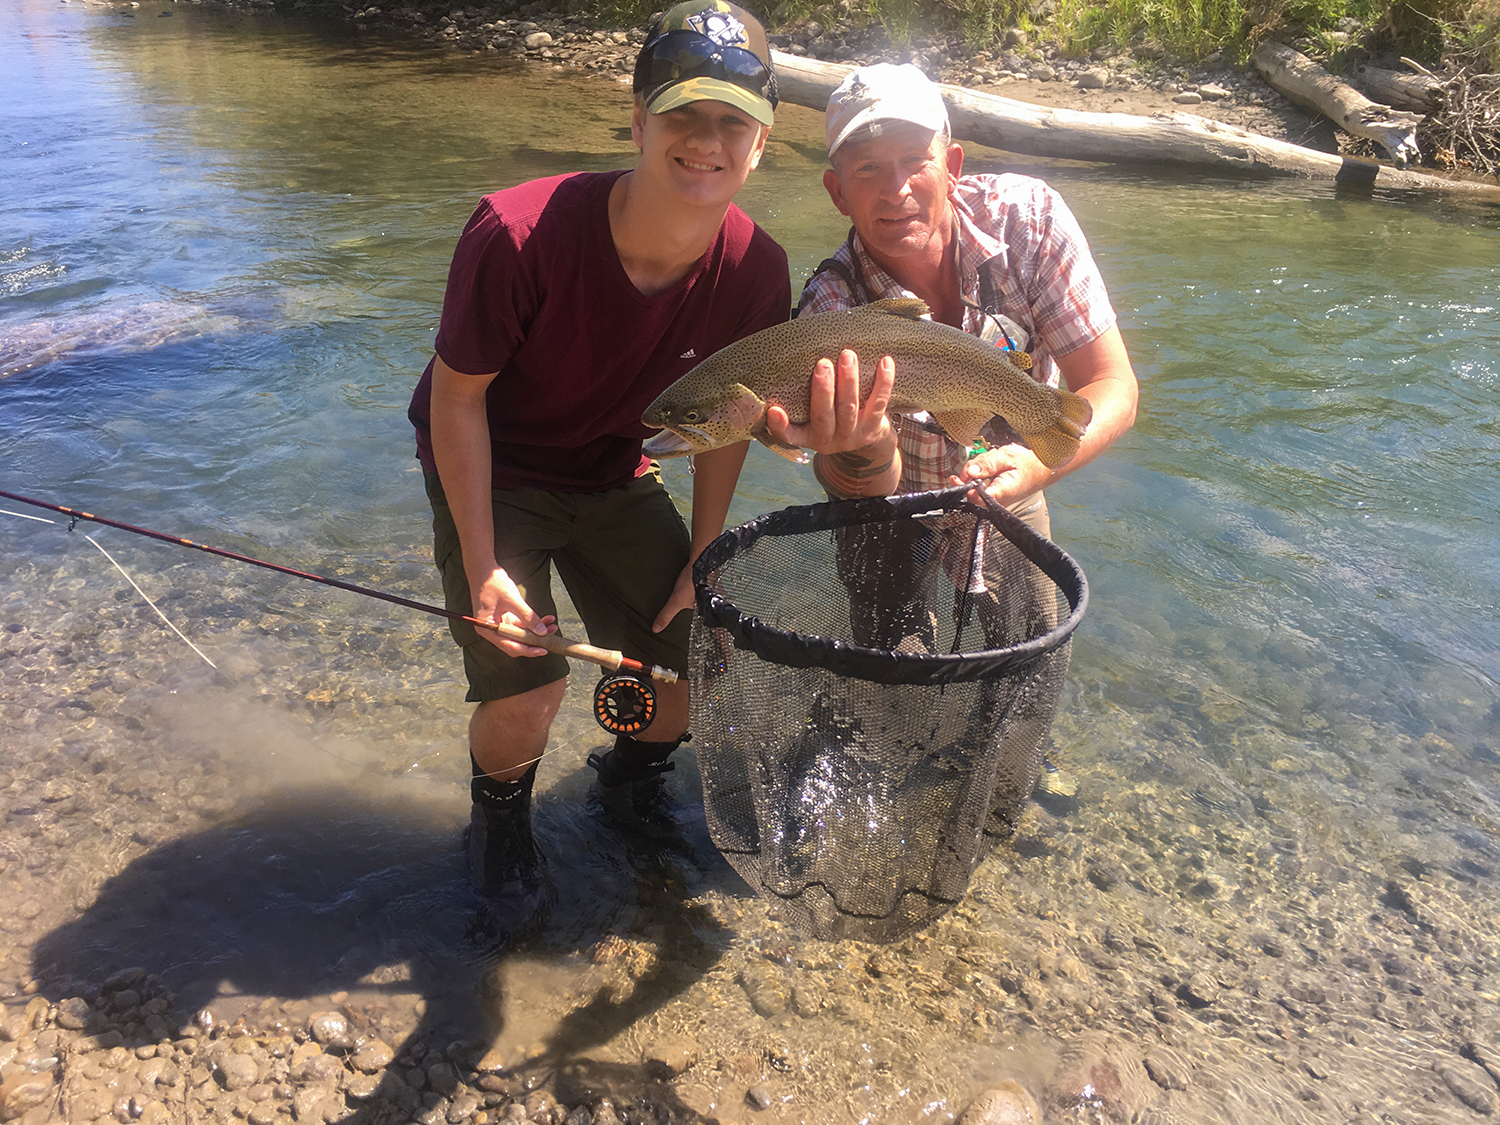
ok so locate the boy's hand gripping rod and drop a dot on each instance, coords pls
(552, 642)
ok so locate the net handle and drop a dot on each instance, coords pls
(797, 650)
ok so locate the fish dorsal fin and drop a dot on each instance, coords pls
(1020, 359)
(913, 308)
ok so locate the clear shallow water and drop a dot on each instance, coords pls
(223, 252)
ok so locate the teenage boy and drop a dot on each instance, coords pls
(572, 302)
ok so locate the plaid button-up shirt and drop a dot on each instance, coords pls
(1021, 254)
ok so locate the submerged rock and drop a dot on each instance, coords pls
(1005, 1104)
(1103, 1076)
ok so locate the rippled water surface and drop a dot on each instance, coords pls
(221, 261)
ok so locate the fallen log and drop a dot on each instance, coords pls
(1181, 140)
(1420, 93)
(1308, 84)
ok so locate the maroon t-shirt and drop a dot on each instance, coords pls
(537, 292)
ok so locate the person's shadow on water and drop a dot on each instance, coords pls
(263, 921)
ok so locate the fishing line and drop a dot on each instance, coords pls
(620, 701)
(149, 602)
(410, 771)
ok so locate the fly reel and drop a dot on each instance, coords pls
(624, 704)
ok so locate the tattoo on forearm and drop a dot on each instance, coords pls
(841, 473)
(857, 464)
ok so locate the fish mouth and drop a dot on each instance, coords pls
(669, 443)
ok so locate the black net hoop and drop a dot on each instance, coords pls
(872, 686)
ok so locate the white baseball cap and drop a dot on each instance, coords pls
(883, 92)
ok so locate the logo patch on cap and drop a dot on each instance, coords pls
(721, 27)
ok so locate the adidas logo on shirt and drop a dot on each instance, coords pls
(689, 354)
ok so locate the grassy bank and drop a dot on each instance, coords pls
(1430, 31)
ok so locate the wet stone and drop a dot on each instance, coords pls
(1200, 990)
(318, 1068)
(22, 1092)
(442, 1078)
(237, 1072)
(326, 1027)
(465, 1105)
(1106, 876)
(1168, 1069)
(362, 1086)
(759, 1097)
(765, 988)
(669, 1057)
(73, 1013)
(372, 1056)
(1470, 1084)
(1005, 1104)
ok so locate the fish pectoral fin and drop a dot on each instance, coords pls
(1020, 359)
(962, 425)
(762, 433)
(912, 308)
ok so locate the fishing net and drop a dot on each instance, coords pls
(873, 682)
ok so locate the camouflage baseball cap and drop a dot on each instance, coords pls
(707, 50)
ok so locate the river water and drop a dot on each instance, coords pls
(221, 261)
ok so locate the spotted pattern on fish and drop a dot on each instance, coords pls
(961, 380)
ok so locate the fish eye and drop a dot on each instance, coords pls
(692, 416)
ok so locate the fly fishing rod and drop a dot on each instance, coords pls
(623, 704)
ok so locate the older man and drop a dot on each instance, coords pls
(994, 255)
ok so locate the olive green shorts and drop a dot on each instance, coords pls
(618, 553)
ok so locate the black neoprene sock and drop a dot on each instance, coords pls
(500, 795)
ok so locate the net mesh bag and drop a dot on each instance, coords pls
(872, 685)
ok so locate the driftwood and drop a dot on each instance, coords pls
(1182, 140)
(1308, 84)
(1420, 93)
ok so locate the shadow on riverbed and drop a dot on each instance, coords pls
(323, 901)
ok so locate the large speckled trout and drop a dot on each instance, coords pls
(961, 380)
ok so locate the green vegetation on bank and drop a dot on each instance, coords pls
(1426, 30)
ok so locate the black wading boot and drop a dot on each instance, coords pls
(632, 793)
(504, 864)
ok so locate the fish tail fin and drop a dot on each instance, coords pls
(1059, 441)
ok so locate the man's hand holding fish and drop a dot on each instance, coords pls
(857, 435)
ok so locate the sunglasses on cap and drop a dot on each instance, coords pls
(683, 54)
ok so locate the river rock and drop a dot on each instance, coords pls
(372, 1056)
(1213, 92)
(1188, 97)
(1486, 1055)
(765, 987)
(1005, 1104)
(24, 1091)
(317, 1068)
(1168, 1069)
(1200, 990)
(237, 1071)
(1470, 1084)
(668, 1057)
(537, 40)
(443, 1078)
(1102, 1076)
(73, 1013)
(1093, 80)
(327, 1027)
(1042, 73)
